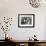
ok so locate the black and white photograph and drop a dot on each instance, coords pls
(26, 20)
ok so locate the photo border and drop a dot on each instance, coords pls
(26, 26)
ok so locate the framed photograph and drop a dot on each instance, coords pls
(26, 20)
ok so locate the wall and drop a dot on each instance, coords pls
(11, 8)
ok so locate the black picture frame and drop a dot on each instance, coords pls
(26, 20)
